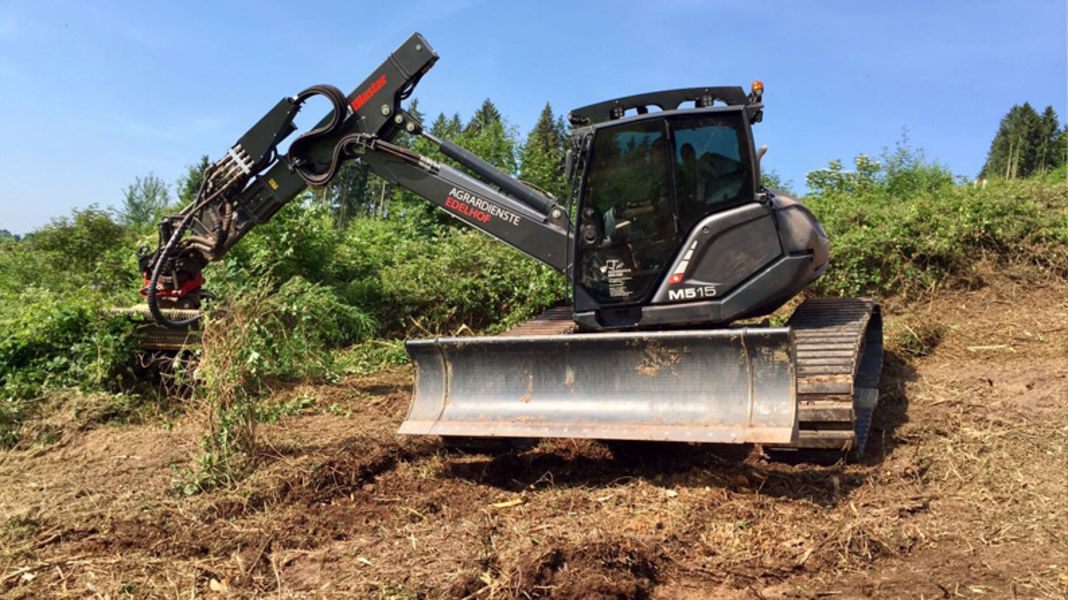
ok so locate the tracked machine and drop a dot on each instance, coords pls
(667, 236)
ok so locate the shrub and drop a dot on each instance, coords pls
(299, 241)
(50, 340)
(261, 337)
(411, 275)
(904, 226)
(55, 286)
(373, 355)
(465, 281)
(88, 250)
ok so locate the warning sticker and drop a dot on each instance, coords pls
(618, 277)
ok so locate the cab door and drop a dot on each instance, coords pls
(627, 227)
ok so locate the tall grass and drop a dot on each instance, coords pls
(260, 339)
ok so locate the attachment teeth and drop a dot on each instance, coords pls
(241, 158)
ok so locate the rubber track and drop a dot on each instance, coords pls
(839, 344)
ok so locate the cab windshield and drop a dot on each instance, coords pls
(642, 175)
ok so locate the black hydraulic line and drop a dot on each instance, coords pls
(161, 259)
(220, 230)
(492, 174)
(299, 147)
(164, 254)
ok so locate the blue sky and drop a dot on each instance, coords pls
(96, 93)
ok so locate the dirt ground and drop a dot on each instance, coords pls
(964, 493)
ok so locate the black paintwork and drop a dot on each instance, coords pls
(702, 97)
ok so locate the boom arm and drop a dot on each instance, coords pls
(252, 181)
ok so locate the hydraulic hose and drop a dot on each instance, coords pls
(161, 259)
(231, 175)
(176, 236)
(299, 147)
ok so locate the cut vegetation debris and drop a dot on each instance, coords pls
(963, 491)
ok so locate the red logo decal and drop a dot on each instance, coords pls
(466, 209)
(362, 99)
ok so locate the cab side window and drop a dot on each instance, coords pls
(711, 165)
(627, 225)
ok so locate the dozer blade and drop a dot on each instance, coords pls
(717, 386)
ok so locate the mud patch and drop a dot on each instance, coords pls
(655, 358)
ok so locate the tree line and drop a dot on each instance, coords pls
(355, 192)
(1026, 143)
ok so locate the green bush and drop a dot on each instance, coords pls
(373, 355)
(50, 340)
(414, 277)
(903, 225)
(86, 251)
(451, 282)
(55, 287)
(299, 241)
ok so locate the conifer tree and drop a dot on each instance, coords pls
(483, 117)
(1026, 143)
(455, 125)
(543, 154)
(439, 126)
(490, 138)
(1048, 154)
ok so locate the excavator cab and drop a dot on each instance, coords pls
(649, 181)
(672, 226)
(672, 234)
